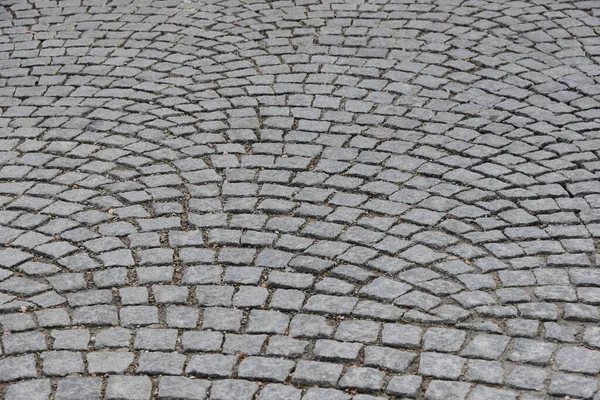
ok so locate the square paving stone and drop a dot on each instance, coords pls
(155, 339)
(404, 385)
(233, 389)
(330, 394)
(358, 331)
(156, 363)
(443, 339)
(488, 393)
(73, 339)
(113, 337)
(275, 391)
(388, 358)
(310, 326)
(485, 371)
(106, 362)
(180, 388)
(440, 365)
(444, 390)
(531, 351)
(38, 389)
(262, 321)
(317, 373)
(182, 317)
(578, 359)
(331, 350)
(570, 385)
(488, 347)
(78, 388)
(244, 344)
(397, 335)
(138, 315)
(16, 368)
(363, 379)
(213, 295)
(211, 365)
(529, 378)
(24, 342)
(285, 346)
(61, 363)
(129, 388)
(201, 341)
(265, 369)
(222, 319)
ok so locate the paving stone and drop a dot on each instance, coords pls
(155, 339)
(243, 344)
(176, 387)
(572, 385)
(443, 340)
(16, 368)
(488, 347)
(138, 315)
(17, 322)
(267, 322)
(485, 371)
(522, 327)
(528, 378)
(35, 389)
(404, 385)
(211, 365)
(330, 304)
(224, 319)
(61, 363)
(230, 389)
(182, 317)
(578, 359)
(407, 336)
(317, 393)
(128, 387)
(391, 359)
(336, 351)
(24, 342)
(96, 315)
(364, 379)
(52, 318)
(531, 351)
(447, 390)
(484, 392)
(317, 373)
(358, 331)
(76, 388)
(215, 295)
(156, 363)
(113, 337)
(201, 341)
(115, 362)
(75, 339)
(440, 365)
(281, 392)
(264, 368)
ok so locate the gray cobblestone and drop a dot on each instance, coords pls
(74, 388)
(403, 188)
(128, 387)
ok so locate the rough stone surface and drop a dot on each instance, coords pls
(299, 200)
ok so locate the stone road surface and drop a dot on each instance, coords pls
(309, 199)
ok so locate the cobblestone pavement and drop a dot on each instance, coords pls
(317, 200)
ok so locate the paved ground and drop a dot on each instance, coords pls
(321, 200)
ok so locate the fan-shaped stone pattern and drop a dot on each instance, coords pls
(278, 200)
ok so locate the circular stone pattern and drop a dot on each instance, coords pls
(307, 199)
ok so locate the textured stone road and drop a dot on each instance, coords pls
(317, 200)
